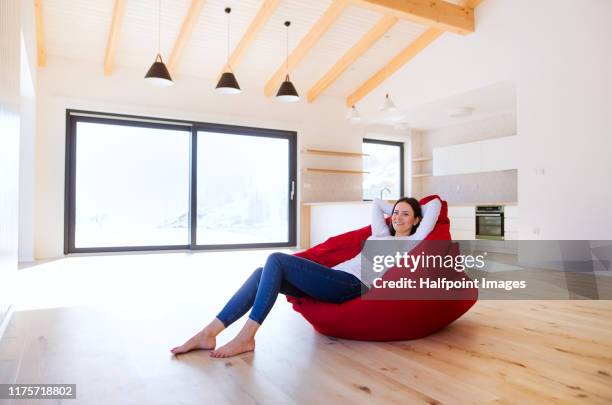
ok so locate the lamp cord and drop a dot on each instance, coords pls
(228, 41)
(287, 52)
(159, 27)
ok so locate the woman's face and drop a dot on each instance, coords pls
(403, 219)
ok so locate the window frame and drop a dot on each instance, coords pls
(401, 148)
(75, 116)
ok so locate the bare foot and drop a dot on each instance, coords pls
(203, 340)
(234, 347)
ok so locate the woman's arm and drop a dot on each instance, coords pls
(431, 212)
(379, 225)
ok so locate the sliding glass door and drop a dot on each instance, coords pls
(243, 189)
(135, 184)
(131, 184)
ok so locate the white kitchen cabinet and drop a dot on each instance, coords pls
(456, 159)
(474, 157)
(460, 234)
(462, 222)
(468, 224)
(498, 154)
(510, 235)
(510, 225)
(511, 211)
(466, 211)
(511, 222)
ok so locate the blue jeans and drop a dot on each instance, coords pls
(290, 275)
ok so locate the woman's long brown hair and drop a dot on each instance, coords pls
(416, 207)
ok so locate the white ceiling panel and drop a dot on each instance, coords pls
(396, 39)
(348, 29)
(138, 41)
(206, 52)
(268, 50)
(79, 30)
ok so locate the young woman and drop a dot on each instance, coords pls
(298, 277)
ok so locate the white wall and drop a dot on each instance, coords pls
(10, 45)
(559, 55)
(81, 85)
(565, 120)
(28, 132)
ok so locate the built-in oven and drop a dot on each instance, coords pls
(490, 222)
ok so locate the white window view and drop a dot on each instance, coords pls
(384, 167)
(242, 188)
(132, 186)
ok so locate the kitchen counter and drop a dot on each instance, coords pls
(321, 219)
(471, 204)
(336, 202)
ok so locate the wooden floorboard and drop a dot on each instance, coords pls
(107, 323)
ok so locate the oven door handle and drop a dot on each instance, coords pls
(490, 215)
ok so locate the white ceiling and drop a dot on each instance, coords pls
(485, 102)
(79, 30)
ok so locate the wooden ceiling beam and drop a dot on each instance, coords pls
(261, 18)
(307, 43)
(41, 53)
(361, 47)
(471, 3)
(189, 22)
(430, 35)
(113, 36)
(438, 14)
(394, 65)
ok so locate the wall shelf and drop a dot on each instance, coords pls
(421, 175)
(316, 169)
(422, 159)
(333, 153)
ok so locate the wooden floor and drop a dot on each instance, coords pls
(106, 323)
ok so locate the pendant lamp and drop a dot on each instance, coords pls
(388, 105)
(227, 83)
(353, 114)
(286, 91)
(158, 72)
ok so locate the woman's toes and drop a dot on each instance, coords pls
(200, 341)
(233, 348)
(177, 349)
(181, 349)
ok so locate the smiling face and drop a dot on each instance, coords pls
(403, 219)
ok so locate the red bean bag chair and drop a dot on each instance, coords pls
(371, 317)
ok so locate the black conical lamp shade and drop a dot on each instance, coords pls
(287, 92)
(158, 73)
(228, 84)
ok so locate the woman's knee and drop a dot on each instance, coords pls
(257, 272)
(276, 264)
(276, 258)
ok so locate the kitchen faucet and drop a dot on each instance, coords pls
(381, 192)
